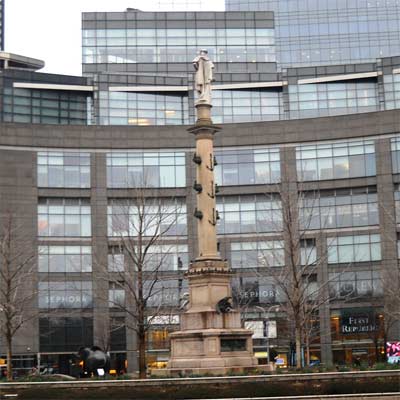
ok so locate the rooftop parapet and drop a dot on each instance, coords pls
(15, 61)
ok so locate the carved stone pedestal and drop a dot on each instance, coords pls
(210, 342)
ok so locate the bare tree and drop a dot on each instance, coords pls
(294, 268)
(140, 228)
(16, 269)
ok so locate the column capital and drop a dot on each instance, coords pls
(204, 131)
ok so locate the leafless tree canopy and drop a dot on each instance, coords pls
(17, 295)
(290, 265)
(143, 231)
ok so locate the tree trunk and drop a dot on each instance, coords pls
(9, 358)
(307, 351)
(298, 348)
(142, 355)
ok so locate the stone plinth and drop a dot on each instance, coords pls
(204, 349)
(211, 350)
(210, 342)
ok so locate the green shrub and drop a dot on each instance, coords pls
(343, 368)
(385, 365)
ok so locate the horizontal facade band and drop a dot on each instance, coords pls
(334, 78)
(148, 88)
(27, 62)
(230, 86)
(51, 86)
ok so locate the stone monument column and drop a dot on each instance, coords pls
(211, 339)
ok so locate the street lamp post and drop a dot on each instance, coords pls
(266, 320)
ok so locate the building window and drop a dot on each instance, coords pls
(65, 334)
(247, 166)
(308, 252)
(263, 254)
(395, 147)
(64, 217)
(322, 99)
(167, 258)
(135, 108)
(65, 259)
(69, 170)
(132, 170)
(249, 214)
(45, 106)
(231, 106)
(160, 216)
(340, 160)
(359, 284)
(392, 92)
(65, 294)
(116, 259)
(116, 295)
(357, 248)
(150, 45)
(339, 208)
(397, 201)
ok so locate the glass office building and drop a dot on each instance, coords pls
(142, 61)
(137, 65)
(322, 32)
(74, 188)
(326, 131)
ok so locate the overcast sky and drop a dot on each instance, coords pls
(50, 30)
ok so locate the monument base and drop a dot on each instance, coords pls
(210, 351)
(211, 340)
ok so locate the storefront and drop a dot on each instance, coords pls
(158, 342)
(357, 336)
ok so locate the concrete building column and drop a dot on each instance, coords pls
(18, 201)
(324, 309)
(388, 229)
(99, 249)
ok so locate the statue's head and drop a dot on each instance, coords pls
(203, 52)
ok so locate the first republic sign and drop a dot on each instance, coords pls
(354, 321)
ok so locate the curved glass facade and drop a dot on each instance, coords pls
(146, 169)
(340, 160)
(332, 183)
(247, 166)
